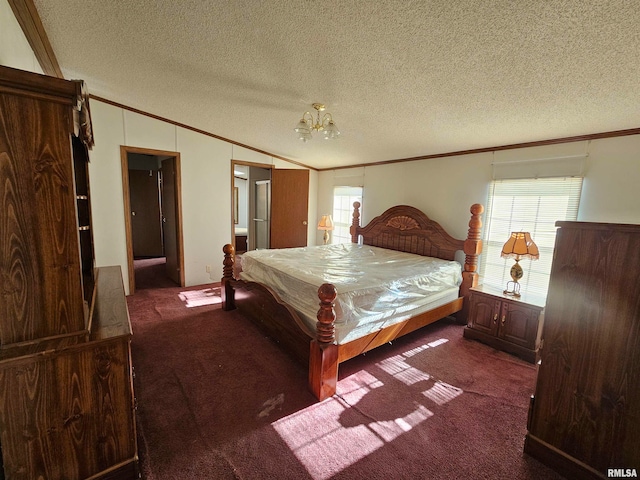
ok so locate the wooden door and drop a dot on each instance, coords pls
(170, 219)
(289, 208)
(146, 222)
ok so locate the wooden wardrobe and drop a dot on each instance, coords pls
(66, 392)
(585, 415)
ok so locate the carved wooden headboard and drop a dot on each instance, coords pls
(406, 229)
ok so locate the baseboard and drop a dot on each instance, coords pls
(558, 460)
(127, 470)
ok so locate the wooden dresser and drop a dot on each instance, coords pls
(66, 393)
(585, 415)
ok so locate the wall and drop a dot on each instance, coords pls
(445, 188)
(206, 187)
(15, 51)
(205, 169)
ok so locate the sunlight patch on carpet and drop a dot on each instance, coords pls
(321, 443)
(442, 393)
(359, 422)
(200, 298)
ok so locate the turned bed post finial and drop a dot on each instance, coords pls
(472, 248)
(355, 222)
(226, 290)
(473, 244)
(325, 326)
(229, 260)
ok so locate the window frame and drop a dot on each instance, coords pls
(526, 204)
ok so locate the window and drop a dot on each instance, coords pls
(527, 205)
(343, 198)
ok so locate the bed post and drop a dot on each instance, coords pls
(226, 290)
(472, 248)
(323, 356)
(355, 222)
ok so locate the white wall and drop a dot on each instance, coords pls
(206, 187)
(610, 189)
(445, 188)
(15, 51)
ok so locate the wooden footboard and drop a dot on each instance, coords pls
(400, 228)
(264, 307)
(315, 349)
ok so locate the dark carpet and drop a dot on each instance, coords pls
(151, 273)
(218, 400)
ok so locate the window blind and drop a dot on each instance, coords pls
(343, 198)
(527, 205)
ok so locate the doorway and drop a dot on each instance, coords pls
(153, 217)
(270, 206)
(251, 205)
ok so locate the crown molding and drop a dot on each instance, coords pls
(554, 141)
(197, 130)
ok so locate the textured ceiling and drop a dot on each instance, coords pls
(401, 78)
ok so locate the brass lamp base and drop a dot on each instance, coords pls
(516, 274)
(326, 237)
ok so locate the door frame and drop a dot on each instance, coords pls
(247, 164)
(124, 159)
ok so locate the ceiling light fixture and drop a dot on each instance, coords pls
(307, 124)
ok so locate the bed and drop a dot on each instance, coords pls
(401, 236)
(241, 239)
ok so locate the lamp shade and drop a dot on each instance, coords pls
(520, 246)
(325, 223)
(302, 127)
(330, 131)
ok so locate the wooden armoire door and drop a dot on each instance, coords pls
(289, 208)
(40, 273)
(585, 415)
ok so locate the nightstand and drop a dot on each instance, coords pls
(511, 324)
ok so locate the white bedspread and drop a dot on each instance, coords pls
(376, 287)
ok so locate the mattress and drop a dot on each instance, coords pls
(376, 287)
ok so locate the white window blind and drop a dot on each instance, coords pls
(343, 198)
(526, 205)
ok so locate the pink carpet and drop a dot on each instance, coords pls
(218, 400)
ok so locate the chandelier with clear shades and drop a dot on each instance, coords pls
(325, 125)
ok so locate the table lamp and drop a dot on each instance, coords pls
(517, 247)
(326, 224)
